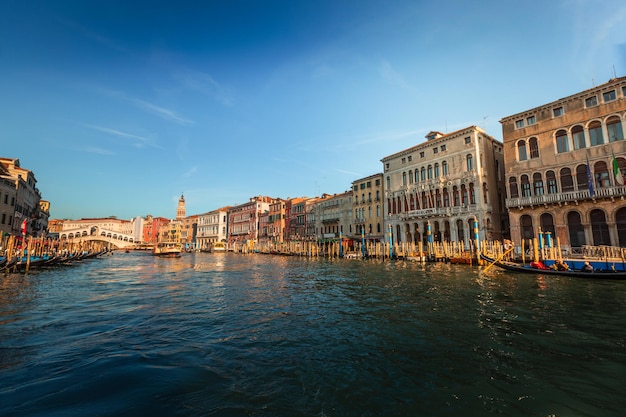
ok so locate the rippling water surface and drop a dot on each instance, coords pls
(235, 335)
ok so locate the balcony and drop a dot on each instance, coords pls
(567, 197)
(445, 211)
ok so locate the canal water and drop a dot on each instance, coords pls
(262, 335)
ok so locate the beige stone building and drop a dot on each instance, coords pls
(559, 160)
(332, 216)
(437, 190)
(368, 208)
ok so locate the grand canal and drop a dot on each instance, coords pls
(260, 335)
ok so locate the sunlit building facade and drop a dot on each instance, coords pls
(565, 163)
(441, 189)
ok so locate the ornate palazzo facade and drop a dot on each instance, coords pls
(439, 190)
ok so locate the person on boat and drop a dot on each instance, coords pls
(538, 265)
(587, 267)
(561, 266)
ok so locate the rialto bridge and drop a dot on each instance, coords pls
(96, 233)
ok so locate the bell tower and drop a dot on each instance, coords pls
(180, 211)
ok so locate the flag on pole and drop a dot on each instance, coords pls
(590, 179)
(619, 178)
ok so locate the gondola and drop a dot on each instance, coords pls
(527, 269)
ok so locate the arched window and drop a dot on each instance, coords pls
(444, 167)
(410, 177)
(595, 133)
(430, 172)
(562, 141)
(412, 203)
(599, 228)
(437, 197)
(614, 128)
(437, 174)
(460, 231)
(521, 151)
(469, 159)
(537, 183)
(472, 193)
(525, 185)
(404, 178)
(576, 229)
(620, 222)
(551, 182)
(567, 182)
(621, 166)
(417, 176)
(423, 173)
(513, 191)
(601, 175)
(526, 226)
(389, 183)
(446, 198)
(463, 195)
(581, 177)
(547, 224)
(578, 136)
(534, 148)
(455, 196)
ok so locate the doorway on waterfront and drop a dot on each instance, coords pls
(599, 228)
(576, 229)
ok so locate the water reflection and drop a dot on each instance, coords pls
(226, 334)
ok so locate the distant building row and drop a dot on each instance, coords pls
(559, 170)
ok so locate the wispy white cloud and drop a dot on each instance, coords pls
(160, 111)
(99, 151)
(204, 84)
(190, 172)
(138, 141)
(391, 76)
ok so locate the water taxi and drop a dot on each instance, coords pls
(218, 247)
(167, 250)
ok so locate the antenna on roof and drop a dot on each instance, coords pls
(614, 73)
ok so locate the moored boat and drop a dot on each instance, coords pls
(547, 268)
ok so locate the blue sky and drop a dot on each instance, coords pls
(120, 106)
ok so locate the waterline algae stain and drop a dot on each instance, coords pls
(232, 335)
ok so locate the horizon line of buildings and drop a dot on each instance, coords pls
(559, 171)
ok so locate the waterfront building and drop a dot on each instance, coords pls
(26, 199)
(272, 223)
(188, 231)
(332, 215)
(441, 189)
(243, 220)
(565, 166)
(7, 202)
(41, 221)
(170, 232)
(151, 227)
(367, 204)
(212, 227)
(295, 218)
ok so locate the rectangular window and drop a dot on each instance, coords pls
(404, 160)
(369, 184)
(435, 150)
(519, 124)
(421, 154)
(362, 186)
(531, 120)
(468, 139)
(410, 158)
(591, 101)
(387, 165)
(609, 96)
(443, 148)
(377, 182)
(558, 111)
